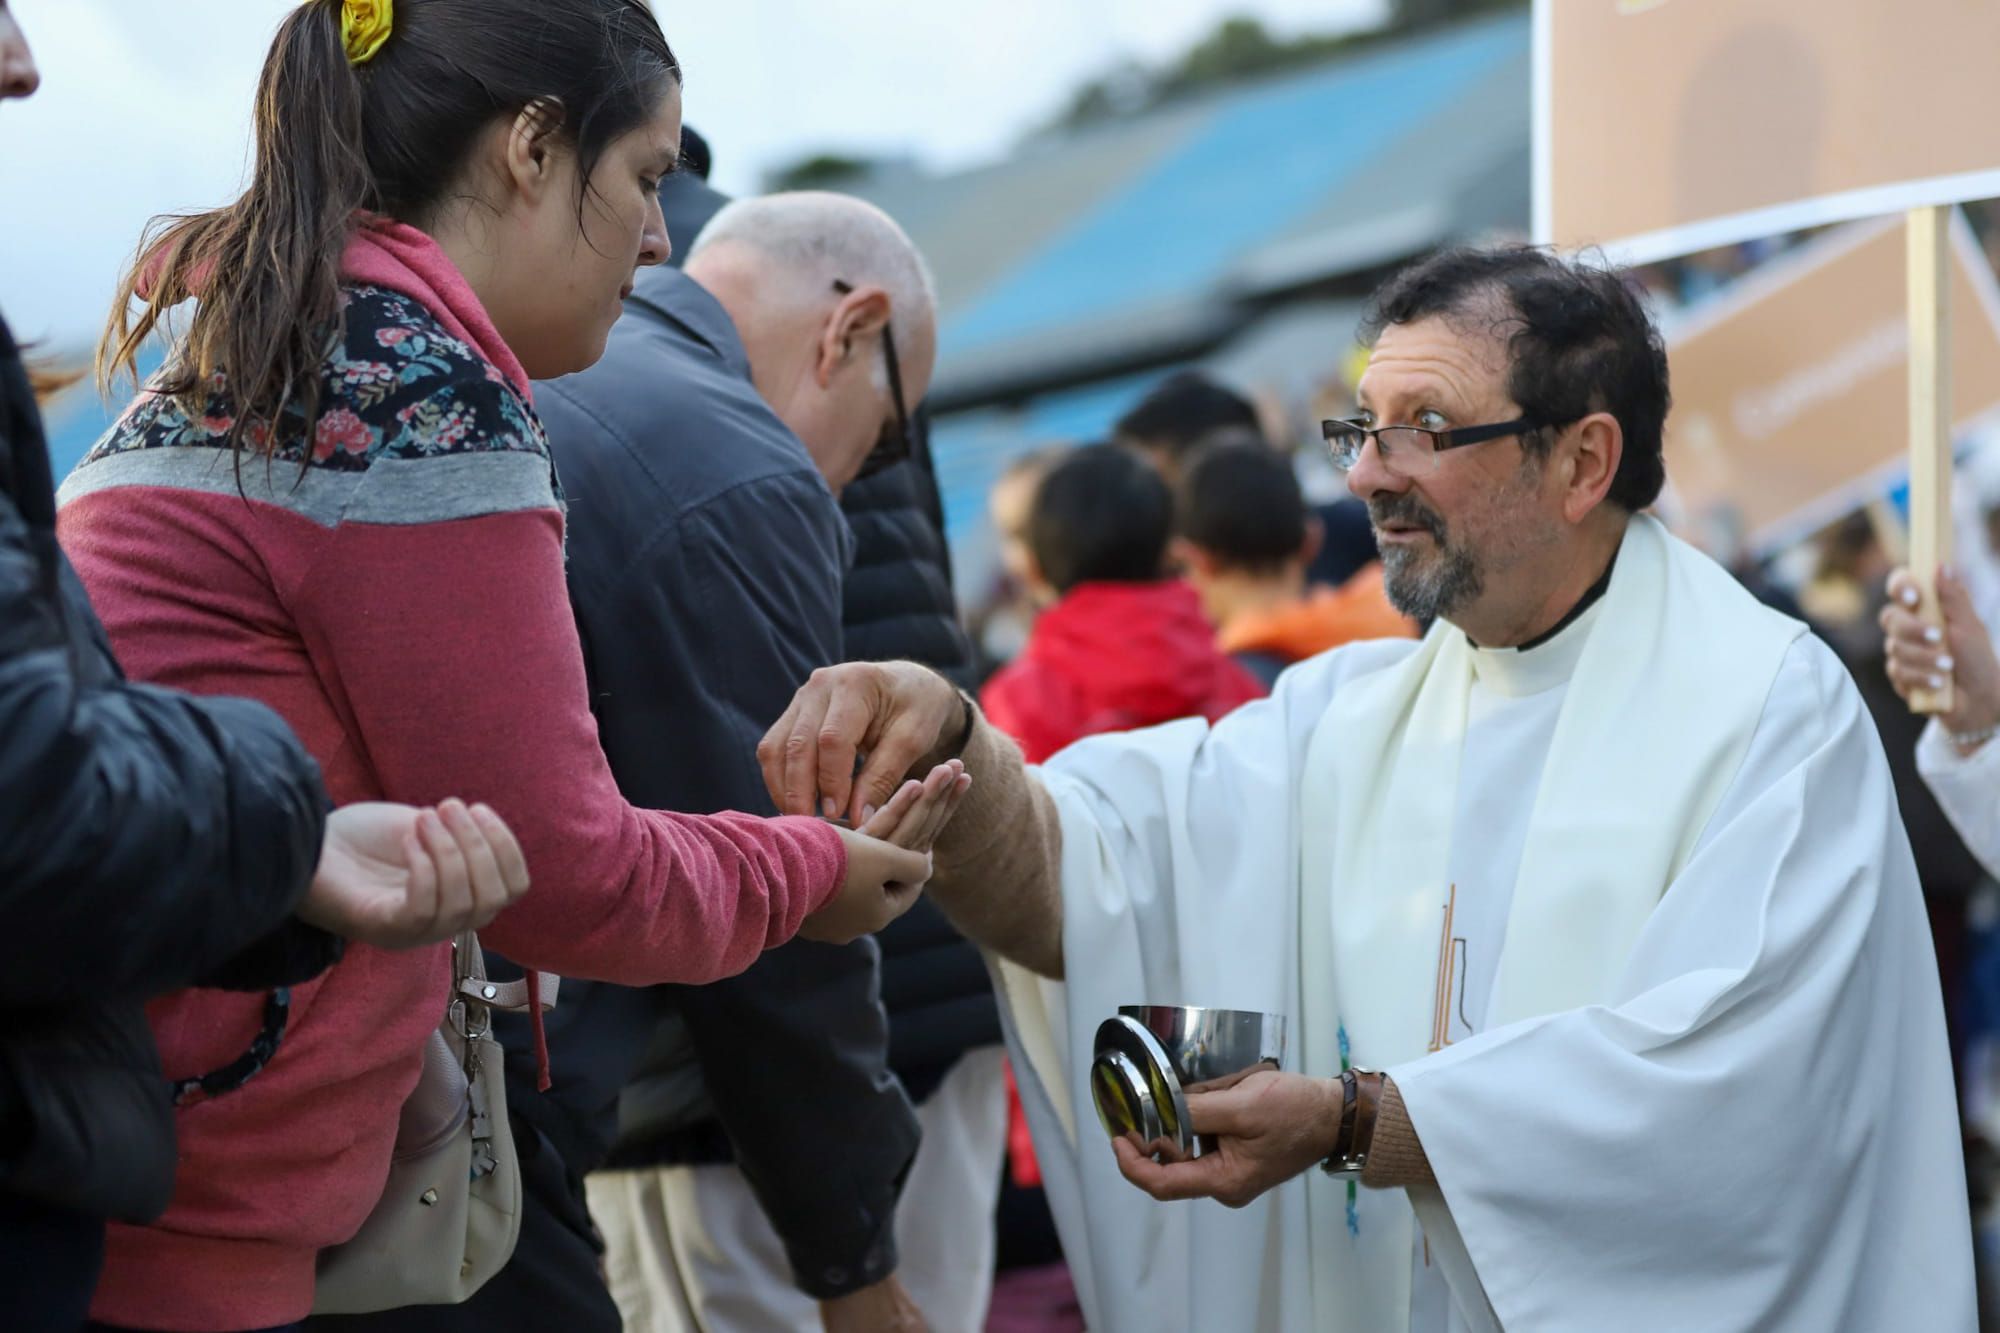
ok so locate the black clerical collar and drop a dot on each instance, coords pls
(1591, 596)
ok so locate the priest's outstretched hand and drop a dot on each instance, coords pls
(890, 715)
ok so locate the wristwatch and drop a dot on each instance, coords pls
(1360, 1099)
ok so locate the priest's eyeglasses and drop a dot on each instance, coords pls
(1411, 450)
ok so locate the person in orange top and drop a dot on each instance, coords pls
(1246, 540)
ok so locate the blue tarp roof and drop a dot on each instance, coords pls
(1166, 239)
(1241, 177)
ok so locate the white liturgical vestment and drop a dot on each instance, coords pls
(1629, 917)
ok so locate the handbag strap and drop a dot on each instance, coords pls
(470, 982)
(512, 996)
(474, 997)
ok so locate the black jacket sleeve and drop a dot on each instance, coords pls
(146, 837)
(740, 600)
(86, 1120)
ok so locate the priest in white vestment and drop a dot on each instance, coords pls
(1604, 876)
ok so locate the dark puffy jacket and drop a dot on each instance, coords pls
(705, 567)
(899, 604)
(898, 600)
(148, 841)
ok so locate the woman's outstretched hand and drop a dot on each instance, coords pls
(889, 857)
(396, 877)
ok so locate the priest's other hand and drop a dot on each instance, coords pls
(893, 713)
(1268, 1128)
(1922, 657)
(397, 877)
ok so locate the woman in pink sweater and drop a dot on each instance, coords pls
(336, 498)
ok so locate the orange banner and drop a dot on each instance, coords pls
(1791, 389)
(1668, 126)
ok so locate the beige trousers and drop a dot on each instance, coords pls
(688, 1250)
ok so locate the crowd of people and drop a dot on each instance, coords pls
(528, 561)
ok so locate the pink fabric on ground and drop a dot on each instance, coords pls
(1035, 1300)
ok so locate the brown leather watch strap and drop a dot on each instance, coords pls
(1348, 1098)
(1367, 1104)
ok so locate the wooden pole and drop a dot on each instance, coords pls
(1930, 416)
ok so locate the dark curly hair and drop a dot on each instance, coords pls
(1577, 334)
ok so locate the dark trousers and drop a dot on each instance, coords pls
(49, 1260)
(553, 1281)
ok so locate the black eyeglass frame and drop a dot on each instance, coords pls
(1441, 440)
(889, 449)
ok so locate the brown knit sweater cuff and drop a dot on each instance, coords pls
(1001, 799)
(1396, 1158)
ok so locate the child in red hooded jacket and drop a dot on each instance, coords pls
(1124, 645)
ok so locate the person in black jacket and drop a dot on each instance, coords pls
(707, 449)
(944, 1026)
(150, 840)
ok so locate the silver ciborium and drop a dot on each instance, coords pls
(1151, 1056)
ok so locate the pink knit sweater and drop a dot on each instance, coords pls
(394, 587)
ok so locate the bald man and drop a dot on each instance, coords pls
(704, 457)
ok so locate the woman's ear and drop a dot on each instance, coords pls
(529, 146)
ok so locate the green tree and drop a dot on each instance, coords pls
(1411, 15)
(1240, 47)
(820, 171)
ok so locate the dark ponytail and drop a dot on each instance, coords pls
(390, 137)
(265, 269)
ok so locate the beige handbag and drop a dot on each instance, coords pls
(451, 1210)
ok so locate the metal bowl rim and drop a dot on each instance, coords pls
(1169, 1072)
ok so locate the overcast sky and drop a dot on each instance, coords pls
(145, 104)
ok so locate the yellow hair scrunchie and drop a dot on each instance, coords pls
(364, 26)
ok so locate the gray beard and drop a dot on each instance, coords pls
(1430, 590)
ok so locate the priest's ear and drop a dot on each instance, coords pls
(1586, 458)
